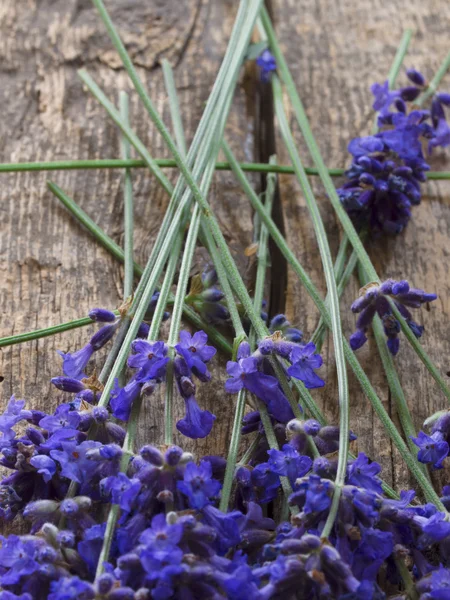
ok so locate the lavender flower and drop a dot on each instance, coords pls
(304, 361)
(75, 363)
(383, 182)
(267, 64)
(433, 448)
(373, 300)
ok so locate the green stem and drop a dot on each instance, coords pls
(46, 331)
(128, 203)
(250, 451)
(408, 582)
(434, 83)
(170, 163)
(318, 336)
(351, 358)
(175, 112)
(343, 217)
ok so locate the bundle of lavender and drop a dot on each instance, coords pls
(295, 515)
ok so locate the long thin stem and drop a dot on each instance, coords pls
(174, 104)
(20, 338)
(127, 202)
(343, 217)
(169, 163)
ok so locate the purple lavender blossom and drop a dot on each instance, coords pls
(304, 361)
(196, 352)
(373, 300)
(267, 64)
(150, 358)
(197, 423)
(198, 485)
(433, 448)
(289, 463)
(74, 363)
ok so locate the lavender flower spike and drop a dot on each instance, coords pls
(373, 299)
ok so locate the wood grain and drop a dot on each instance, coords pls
(53, 271)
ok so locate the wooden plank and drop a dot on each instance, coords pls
(53, 271)
(336, 50)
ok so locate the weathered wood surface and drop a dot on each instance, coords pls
(52, 270)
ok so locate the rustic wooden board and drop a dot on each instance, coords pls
(53, 271)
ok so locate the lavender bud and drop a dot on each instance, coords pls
(100, 414)
(209, 277)
(186, 457)
(68, 384)
(40, 508)
(50, 532)
(35, 436)
(129, 561)
(312, 427)
(437, 112)
(102, 337)
(165, 496)
(266, 346)
(329, 433)
(173, 455)
(243, 350)
(116, 432)
(143, 330)
(152, 455)
(105, 583)
(47, 554)
(66, 539)
(84, 502)
(409, 93)
(148, 388)
(69, 507)
(101, 315)
(305, 545)
(366, 179)
(294, 427)
(171, 518)
(212, 295)
(444, 98)
(400, 105)
(187, 387)
(415, 76)
(142, 594)
(278, 322)
(85, 396)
